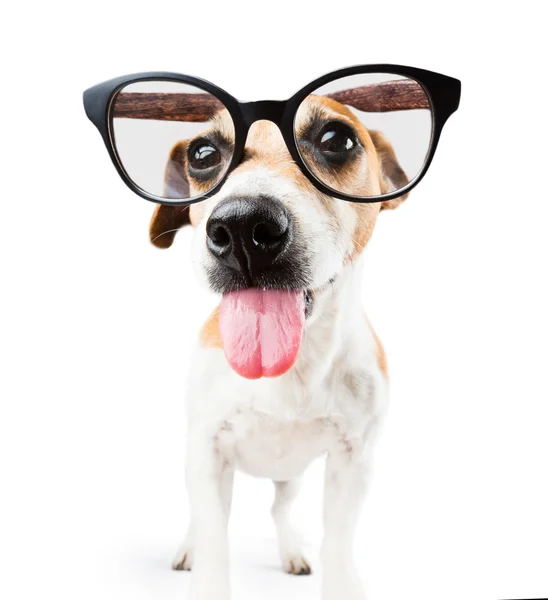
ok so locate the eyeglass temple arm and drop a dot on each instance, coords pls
(376, 97)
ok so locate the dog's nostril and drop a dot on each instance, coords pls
(264, 235)
(219, 235)
(269, 233)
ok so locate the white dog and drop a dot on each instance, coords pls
(288, 367)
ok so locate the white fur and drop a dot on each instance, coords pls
(328, 403)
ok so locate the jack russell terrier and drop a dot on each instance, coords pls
(288, 367)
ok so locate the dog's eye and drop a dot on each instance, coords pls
(203, 155)
(335, 138)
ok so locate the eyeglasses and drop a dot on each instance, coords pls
(174, 139)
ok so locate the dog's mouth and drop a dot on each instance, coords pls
(262, 329)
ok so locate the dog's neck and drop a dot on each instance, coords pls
(332, 325)
(336, 343)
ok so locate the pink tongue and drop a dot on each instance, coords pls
(261, 330)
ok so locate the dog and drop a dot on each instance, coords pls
(287, 368)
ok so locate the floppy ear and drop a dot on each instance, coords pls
(167, 220)
(393, 177)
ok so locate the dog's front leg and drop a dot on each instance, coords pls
(209, 481)
(345, 483)
(184, 559)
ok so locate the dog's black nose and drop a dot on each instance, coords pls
(248, 234)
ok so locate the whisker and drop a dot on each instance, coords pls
(164, 233)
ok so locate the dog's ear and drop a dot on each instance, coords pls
(165, 223)
(167, 220)
(393, 177)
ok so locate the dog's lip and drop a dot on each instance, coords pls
(310, 294)
(308, 302)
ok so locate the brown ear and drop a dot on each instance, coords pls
(393, 177)
(165, 223)
(167, 220)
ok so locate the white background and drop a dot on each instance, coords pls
(97, 325)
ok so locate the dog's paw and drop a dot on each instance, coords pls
(184, 559)
(295, 564)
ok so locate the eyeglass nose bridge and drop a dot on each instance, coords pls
(263, 110)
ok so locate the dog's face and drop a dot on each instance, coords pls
(269, 227)
(301, 237)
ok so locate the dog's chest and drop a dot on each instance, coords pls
(263, 438)
(266, 446)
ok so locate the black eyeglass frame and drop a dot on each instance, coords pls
(443, 93)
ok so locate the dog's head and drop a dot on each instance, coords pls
(269, 241)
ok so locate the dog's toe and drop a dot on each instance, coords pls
(297, 565)
(182, 562)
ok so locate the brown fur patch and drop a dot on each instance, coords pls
(210, 336)
(165, 223)
(365, 223)
(392, 176)
(348, 178)
(265, 146)
(381, 354)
